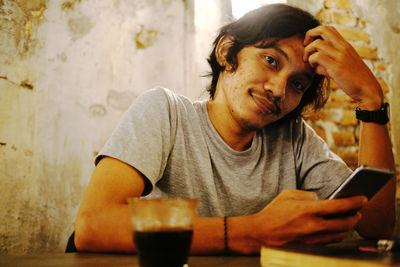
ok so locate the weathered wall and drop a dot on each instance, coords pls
(68, 71)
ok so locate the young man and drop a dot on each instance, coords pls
(260, 172)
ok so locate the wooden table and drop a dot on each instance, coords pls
(93, 259)
(342, 255)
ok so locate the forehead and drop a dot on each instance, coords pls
(293, 45)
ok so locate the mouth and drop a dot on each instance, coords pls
(265, 102)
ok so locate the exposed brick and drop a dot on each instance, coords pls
(367, 52)
(333, 85)
(315, 115)
(320, 131)
(362, 23)
(339, 4)
(351, 158)
(344, 139)
(348, 118)
(344, 19)
(354, 35)
(380, 66)
(324, 16)
(389, 126)
(385, 87)
(339, 100)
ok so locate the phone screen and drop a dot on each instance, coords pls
(365, 180)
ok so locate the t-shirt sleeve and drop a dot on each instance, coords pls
(144, 137)
(318, 168)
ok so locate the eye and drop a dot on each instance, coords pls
(299, 86)
(271, 61)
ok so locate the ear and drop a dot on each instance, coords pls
(221, 51)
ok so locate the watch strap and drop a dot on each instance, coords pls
(380, 116)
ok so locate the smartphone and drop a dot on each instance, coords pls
(365, 180)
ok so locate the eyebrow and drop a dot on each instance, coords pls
(275, 46)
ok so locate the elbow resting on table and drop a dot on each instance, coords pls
(84, 233)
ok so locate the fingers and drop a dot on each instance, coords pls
(325, 238)
(332, 56)
(327, 33)
(297, 216)
(327, 41)
(318, 46)
(339, 206)
(340, 224)
(318, 61)
(320, 225)
(327, 52)
(321, 230)
(322, 46)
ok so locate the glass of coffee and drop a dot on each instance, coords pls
(163, 230)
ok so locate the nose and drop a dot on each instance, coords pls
(277, 85)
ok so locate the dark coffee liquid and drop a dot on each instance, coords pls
(166, 248)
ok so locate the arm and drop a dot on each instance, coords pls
(333, 57)
(103, 223)
(379, 215)
(293, 217)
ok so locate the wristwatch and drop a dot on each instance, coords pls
(380, 116)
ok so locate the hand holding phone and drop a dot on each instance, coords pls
(365, 180)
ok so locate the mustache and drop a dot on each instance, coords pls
(271, 98)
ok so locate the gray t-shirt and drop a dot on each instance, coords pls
(173, 143)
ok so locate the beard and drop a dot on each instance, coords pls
(254, 124)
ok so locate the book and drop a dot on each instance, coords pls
(326, 256)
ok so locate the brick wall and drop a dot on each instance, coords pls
(336, 122)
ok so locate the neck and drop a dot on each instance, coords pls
(231, 132)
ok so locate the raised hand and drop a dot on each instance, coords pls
(332, 56)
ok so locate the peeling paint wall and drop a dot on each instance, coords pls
(68, 71)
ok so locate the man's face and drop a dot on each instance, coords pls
(267, 84)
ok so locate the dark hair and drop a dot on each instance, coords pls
(277, 21)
